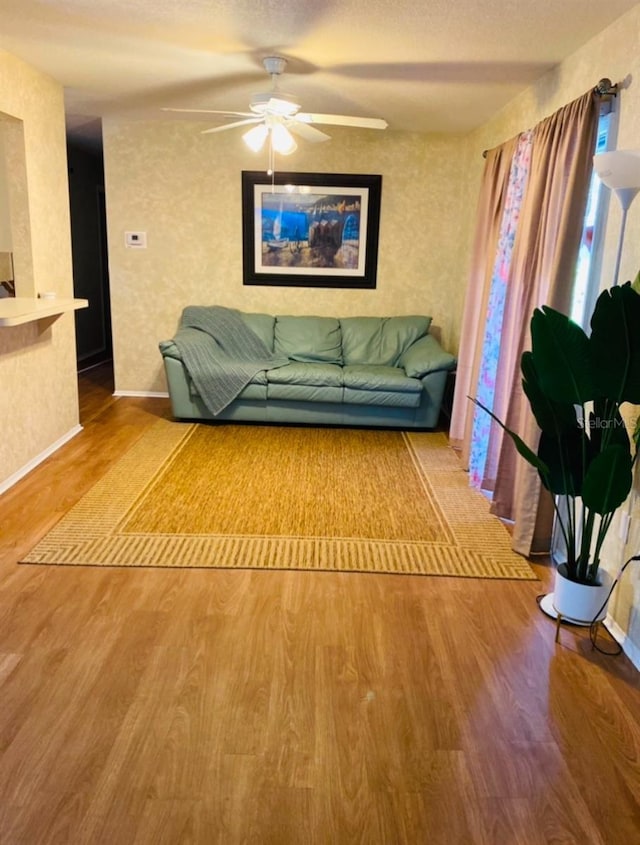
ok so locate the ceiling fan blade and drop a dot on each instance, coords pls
(307, 132)
(212, 111)
(233, 125)
(342, 120)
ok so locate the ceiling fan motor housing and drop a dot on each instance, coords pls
(275, 101)
(274, 64)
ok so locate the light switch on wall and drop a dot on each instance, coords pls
(136, 240)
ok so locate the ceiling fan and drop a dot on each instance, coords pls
(274, 115)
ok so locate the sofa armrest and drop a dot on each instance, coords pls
(169, 348)
(425, 356)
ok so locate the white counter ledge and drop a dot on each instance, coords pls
(14, 311)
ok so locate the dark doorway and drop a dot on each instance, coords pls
(90, 255)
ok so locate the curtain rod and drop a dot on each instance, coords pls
(604, 88)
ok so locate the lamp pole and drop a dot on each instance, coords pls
(626, 197)
(623, 224)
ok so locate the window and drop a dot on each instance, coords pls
(587, 280)
(587, 284)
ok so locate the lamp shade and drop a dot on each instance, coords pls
(255, 137)
(282, 140)
(620, 171)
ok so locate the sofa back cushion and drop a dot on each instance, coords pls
(380, 340)
(261, 324)
(309, 339)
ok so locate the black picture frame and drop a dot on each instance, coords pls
(315, 230)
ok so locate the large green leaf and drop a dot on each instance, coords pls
(566, 456)
(552, 417)
(614, 345)
(560, 350)
(528, 454)
(608, 480)
(606, 426)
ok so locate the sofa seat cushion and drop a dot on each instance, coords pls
(388, 398)
(304, 393)
(319, 375)
(254, 391)
(380, 340)
(380, 378)
(369, 385)
(309, 339)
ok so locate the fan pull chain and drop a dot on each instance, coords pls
(272, 164)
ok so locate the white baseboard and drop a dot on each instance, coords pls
(630, 649)
(33, 463)
(144, 393)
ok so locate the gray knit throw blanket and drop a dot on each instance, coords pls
(221, 353)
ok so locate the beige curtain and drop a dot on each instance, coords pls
(542, 272)
(491, 205)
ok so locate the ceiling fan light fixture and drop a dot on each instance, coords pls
(282, 140)
(272, 113)
(255, 137)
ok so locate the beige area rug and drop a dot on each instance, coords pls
(286, 498)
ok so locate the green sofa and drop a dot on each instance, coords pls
(365, 371)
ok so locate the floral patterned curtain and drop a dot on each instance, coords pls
(481, 430)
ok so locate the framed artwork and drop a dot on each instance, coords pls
(310, 229)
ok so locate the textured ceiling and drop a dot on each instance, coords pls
(423, 65)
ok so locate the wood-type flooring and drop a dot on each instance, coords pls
(209, 706)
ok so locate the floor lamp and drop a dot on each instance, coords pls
(620, 171)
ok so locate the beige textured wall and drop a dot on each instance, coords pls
(38, 384)
(613, 54)
(183, 189)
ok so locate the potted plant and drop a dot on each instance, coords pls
(575, 385)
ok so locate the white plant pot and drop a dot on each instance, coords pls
(579, 603)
